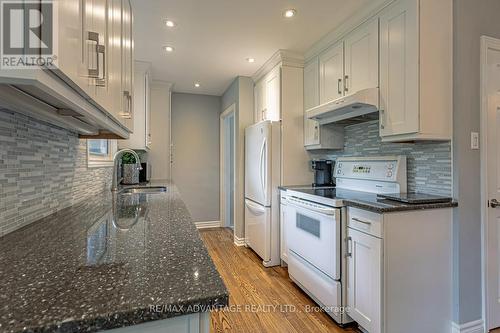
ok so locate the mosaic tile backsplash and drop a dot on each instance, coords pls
(429, 163)
(43, 169)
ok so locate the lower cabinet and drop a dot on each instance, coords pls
(286, 216)
(399, 270)
(191, 323)
(364, 264)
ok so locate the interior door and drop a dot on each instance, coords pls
(331, 73)
(492, 97)
(361, 58)
(364, 280)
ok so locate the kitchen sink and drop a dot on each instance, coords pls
(144, 190)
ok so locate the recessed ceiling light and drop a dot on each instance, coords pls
(197, 85)
(250, 60)
(168, 48)
(170, 23)
(289, 13)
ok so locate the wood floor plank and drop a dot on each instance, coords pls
(261, 299)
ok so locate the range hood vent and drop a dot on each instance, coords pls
(352, 107)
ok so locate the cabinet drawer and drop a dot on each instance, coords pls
(365, 221)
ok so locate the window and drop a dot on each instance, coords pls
(100, 153)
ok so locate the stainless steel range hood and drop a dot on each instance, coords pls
(353, 106)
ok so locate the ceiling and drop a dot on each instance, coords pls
(213, 38)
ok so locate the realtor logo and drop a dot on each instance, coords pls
(27, 32)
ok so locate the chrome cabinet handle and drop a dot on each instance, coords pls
(494, 203)
(338, 86)
(361, 221)
(346, 88)
(93, 72)
(348, 244)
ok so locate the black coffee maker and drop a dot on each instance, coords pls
(323, 173)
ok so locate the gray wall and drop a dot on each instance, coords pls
(428, 163)
(43, 169)
(195, 139)
(240, 93)
(472, 18)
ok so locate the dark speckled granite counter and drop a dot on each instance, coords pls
(368, 201)
(104, 263)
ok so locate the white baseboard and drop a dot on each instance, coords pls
(207, 224)
(239, 241)
(476, 326)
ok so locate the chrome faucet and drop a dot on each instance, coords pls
(114, 186)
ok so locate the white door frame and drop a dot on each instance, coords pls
(486, 44)
(231, 110)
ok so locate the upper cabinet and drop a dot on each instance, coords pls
(405, 50)
(92, 86)
(350, 65)
(361, 52)
(141, 138)
(331, 73)
(416, 71)
(267, 94)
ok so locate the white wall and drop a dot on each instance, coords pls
(240, 93)
(195, 139)
(471, 20)
(159, 155)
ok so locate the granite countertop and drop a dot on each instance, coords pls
(107, 262)
(368, 201)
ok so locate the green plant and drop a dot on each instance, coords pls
(128, 158)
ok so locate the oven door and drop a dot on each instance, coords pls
(313, 234)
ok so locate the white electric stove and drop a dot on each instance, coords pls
(315, 226)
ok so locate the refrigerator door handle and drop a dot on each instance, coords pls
(255, 209)
(262, 171)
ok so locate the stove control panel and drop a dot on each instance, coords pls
(377, 168)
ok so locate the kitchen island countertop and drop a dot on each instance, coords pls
(107, 262)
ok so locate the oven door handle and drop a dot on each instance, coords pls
(324, 211)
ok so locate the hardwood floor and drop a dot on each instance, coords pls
(256, 293)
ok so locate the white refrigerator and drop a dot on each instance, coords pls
(262, 178)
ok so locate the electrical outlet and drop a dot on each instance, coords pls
(474, 140)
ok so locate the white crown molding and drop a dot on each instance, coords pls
(207, 224)
(239, 241)
(164, 84)
(476, 326)
(283, 57)
(361, 16)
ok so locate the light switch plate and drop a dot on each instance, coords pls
(474, 140)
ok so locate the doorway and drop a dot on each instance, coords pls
(228, 159)
(490, 178)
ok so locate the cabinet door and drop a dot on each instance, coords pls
(70, 44)
(361, 58)
(147, 106)
(273, 95)
(399, 69)
(283, 244)
(311, 100)
(331, 73)
(364, 285)
(260, 101)
(127, 63)
(102, 25)
(115, 72)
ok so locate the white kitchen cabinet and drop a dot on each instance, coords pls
(398, 263)
(416, 70)
(267, 95)
(83, 95)
(364, 288)
(316, 136)
(140, 139)
(331, 73)
(361, 52)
